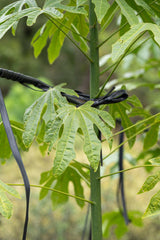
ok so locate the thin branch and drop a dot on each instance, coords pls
(128, 169)
(53, 190)
(136, 124)
(85, 54)
(78, 34)
(109, 67)
(117, 64)
(126, 141)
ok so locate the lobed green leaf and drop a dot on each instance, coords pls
(58, 5)
(75, 173)
(42, 108)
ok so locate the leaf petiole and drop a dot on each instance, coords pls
(128, 169)
(53, 190)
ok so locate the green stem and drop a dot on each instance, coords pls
(96, 216)
(128, 169)
(53, 190)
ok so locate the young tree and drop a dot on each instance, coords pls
(60, 114)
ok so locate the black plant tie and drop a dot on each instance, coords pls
(109, 98)
(23, 79)
(17, 156)
(120, 190)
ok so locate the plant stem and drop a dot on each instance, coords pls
(53, 190)
(96, 217)
(128, 169)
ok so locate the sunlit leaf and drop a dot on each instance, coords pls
(12, 13)
(84, 118)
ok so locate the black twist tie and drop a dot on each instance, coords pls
(109, 98)
(120, 189)
(23, 79)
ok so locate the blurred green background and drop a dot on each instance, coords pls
(67, 222)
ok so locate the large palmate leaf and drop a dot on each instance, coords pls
(57, 4)
(44, 107)
(75, 173)
(12, 13)
(122, 45)
(84, 118)
(6, 206)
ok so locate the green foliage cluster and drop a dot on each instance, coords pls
(54, 123)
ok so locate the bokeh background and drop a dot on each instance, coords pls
(67, 222)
